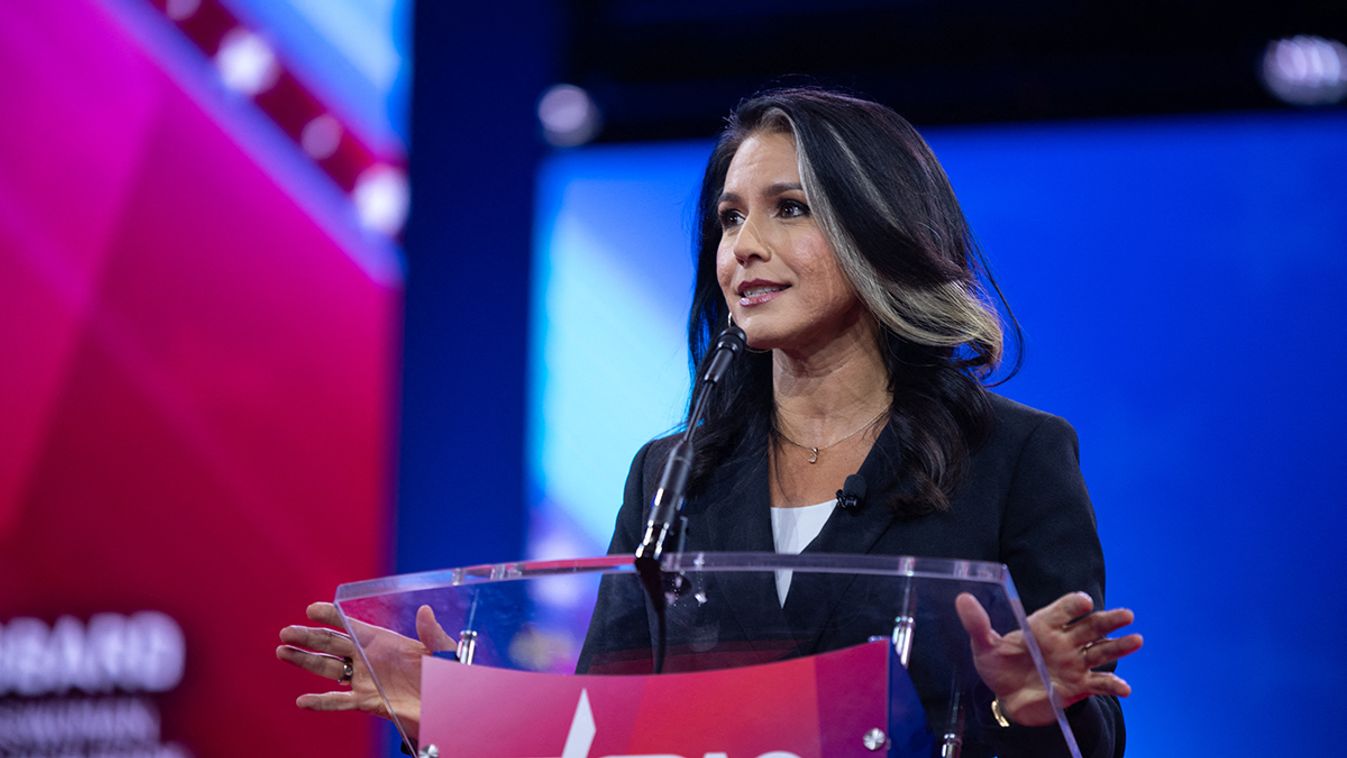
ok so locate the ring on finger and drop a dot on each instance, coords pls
(347, 671)
(1089, 648)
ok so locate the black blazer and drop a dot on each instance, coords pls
(1023, 503)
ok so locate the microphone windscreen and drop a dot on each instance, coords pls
(732, 338)
(729, 343)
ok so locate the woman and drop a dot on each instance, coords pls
(831, 235)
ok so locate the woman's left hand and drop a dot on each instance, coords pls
(1073, 639)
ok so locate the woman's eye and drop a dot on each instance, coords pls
(793, 209)
(730, 217)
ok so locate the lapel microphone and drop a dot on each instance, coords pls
(852, 493)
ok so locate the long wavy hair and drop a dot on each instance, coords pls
(888, 210)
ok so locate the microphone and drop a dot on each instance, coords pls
(728, 344)
(852, 493)
(668, 500)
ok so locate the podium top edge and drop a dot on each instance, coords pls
(828, 563)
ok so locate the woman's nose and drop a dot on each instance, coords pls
(750, 243)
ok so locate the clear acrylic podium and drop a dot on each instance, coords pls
(526, 629)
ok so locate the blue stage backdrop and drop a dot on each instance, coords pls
(1179, 283)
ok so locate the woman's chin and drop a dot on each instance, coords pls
(757, 338)
(764, 336)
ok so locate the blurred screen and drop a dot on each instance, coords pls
(200, 345)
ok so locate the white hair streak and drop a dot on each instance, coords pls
(948, 314)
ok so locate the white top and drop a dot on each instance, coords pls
(792, 530)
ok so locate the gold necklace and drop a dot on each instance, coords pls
(814, 451)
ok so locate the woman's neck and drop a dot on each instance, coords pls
(830, 392)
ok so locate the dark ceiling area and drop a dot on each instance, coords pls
(672, 70)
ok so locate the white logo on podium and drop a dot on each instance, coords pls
(581, 737)
(582, 731)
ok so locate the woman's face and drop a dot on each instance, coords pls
(776, 269)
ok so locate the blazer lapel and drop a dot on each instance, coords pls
(813, 597)
(735, 516)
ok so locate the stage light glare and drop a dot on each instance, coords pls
(1306, 70)
(181, 10)
(320, 137)
(568, 115)
(381, 198)
(246, 62)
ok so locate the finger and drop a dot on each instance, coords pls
(322, 640)
(1104, 683)
(976, 622)
(431, 634)
(1106, 651)
(324, 613)
(326, 666)
(1098, 625)
(1066, 609)
(343, 700)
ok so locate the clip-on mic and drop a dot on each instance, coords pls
(852, 494)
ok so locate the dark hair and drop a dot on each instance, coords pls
(890, 214)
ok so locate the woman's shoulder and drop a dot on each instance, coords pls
(654, 451)
(647, 464)
(1019, 421)
(1018, 429)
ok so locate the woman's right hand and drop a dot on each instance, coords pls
(327, 652)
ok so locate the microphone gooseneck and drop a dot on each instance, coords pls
(667, 505)
(673, 481)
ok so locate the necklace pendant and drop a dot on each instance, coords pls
(813, 455)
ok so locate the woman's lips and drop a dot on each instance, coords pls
(757, 294)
